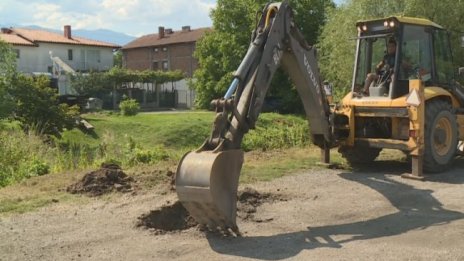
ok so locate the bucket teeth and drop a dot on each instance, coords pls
(206, 184)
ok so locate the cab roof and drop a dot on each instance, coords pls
(404, 20)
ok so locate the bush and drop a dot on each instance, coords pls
(274, 131)
(19, 157)
(37, 108)
(129, 107)
(148, 156)
(38, 168)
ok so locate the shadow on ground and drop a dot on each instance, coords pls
(417, 209)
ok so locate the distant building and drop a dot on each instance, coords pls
(167, 50)
(34, 49)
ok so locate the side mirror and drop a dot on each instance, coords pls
(461, 71)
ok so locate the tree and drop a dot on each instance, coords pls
(117, 59)
(101, 84)
(7, 74)
(30, 100)
(447, 13)
(337, 44)
(220, 52)
(37, 108)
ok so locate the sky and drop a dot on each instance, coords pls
(132, 17)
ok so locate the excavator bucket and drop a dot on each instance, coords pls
(207, 183)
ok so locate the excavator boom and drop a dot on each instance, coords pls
(207, 179)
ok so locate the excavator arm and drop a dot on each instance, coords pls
(207, 179)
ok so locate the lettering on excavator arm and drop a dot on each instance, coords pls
(277, 54)
(313, 78)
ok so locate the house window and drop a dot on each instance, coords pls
(165, 49)
(17, 53)
(156, 50)
(50, 69)
(165, 65)
(155, 66)
(70, 54)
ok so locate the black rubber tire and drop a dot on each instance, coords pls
(358, 156)
(441, 136)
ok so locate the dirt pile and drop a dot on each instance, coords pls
(175, 218)
(167, 219)
(248, 202)
(108, 178)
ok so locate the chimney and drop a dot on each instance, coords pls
(186, 28)
(67, 31)
(160, 32)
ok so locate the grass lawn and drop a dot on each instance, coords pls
(173, 130)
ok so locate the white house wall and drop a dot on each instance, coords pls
(37, 59)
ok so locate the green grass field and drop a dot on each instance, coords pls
(173, 130)
(278, 146)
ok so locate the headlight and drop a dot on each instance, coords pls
(389, 24)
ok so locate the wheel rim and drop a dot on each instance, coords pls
(442, 136)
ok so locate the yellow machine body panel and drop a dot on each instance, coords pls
(352, 107)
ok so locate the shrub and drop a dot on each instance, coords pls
(38, 168)
(274, 131)
(129, 107)
(148, 156)
(19, 154)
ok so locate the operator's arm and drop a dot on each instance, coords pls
(379, 66)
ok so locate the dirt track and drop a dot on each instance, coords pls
(329, 214)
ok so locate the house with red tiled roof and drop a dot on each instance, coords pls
(168, 50)
(34, 49)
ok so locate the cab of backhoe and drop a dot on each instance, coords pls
(422, 52)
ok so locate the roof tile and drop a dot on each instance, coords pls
(175, 37)
(15, 39)
(35, 36)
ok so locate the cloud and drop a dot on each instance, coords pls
(129, 16)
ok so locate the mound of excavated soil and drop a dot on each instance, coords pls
(175, 217)
(167, 219)
(108, 178)
(248, 202)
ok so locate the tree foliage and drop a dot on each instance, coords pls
(7, 74)
(30, 100)
(36, 106)
(117, 58)
(337, 44)
(88, 84)
(220, 52)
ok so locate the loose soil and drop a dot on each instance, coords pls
(175, 218)
(169, 218)
(249, 200)
(108, 178)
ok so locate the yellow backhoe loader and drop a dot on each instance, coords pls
(411, 103)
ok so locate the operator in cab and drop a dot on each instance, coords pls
(387, 63)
